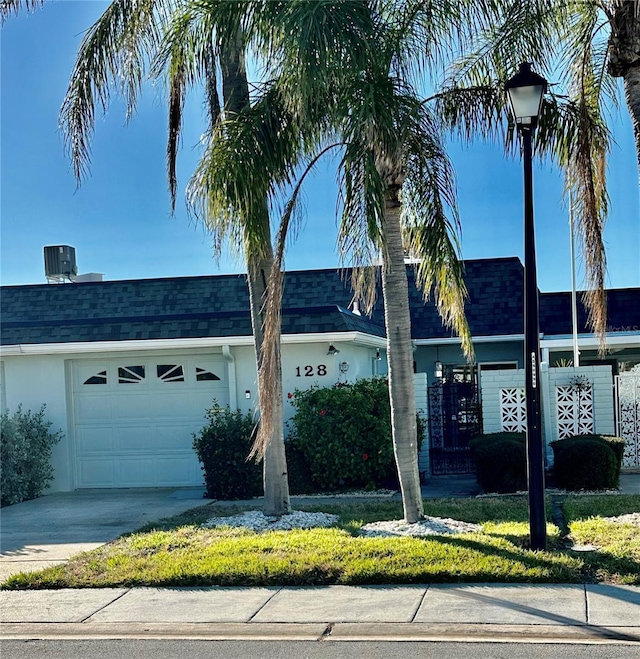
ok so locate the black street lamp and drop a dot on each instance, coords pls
(525, 91)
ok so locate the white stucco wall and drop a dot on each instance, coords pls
(422, 407)
(34, 380)
(491, 382)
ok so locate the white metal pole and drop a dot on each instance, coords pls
(574, 294)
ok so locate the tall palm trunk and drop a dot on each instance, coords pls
(395, 291)
(624, 58)
(259, 260)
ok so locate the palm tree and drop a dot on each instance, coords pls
(330, 65)
(133, 38)
(345, 66)
(585, 45)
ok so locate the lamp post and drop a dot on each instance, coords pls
(525, 91)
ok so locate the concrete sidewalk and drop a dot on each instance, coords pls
(553, 613)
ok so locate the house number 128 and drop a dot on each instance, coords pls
(309, 372)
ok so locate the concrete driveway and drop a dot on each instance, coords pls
(47, 531)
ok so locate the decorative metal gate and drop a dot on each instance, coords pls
(628, 408)
(454, 418)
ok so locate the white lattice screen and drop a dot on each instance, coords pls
(513, 410)
(575, 410)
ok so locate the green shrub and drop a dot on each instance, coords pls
(586, 462)
(25, 455)
(616, 444)
(222, 447)
(501, 461)
(340, 437)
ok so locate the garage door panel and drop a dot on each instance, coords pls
(134, 405)
(92, 408)
(203, 400)
(182, 471)
(96, 472)
(173, 437)
(94, 439)
(174, 404)
(133, 438)
(134, 418)
(135, 471)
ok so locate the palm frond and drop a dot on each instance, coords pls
(9, 7)
(431, 225)
(114, 53)
(272, 314)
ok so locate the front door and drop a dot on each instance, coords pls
(454, 418)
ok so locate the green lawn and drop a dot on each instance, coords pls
(178, 552)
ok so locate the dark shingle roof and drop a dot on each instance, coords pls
(623, 312)
(494, 306)
(314, 301)
(186, 307)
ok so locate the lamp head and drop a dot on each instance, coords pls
(525, 91)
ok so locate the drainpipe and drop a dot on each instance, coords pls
(231, 370)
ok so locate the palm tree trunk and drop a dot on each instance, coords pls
(632, 94)
(395, 290)
(259, 259)
(275, 478)
(624, 58)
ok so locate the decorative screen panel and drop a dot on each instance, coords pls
(575, 410)
(628, 391)
(513, 410)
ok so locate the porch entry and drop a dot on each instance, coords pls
(628, 415)
(454, 418)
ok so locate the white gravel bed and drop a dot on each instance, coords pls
(373, 494)
(426, 526)
(630, 518)
(255, 520)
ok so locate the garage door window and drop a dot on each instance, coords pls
(130, 374)
(170, 372)
(203, 375)
(98, 378)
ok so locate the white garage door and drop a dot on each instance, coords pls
(134, 418)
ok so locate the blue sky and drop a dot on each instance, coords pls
(119, 220)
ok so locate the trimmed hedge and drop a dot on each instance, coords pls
(222, 447)
(25, 455)
(340, 438)
(501, 461)
(588, 462)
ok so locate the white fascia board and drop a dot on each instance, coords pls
(617, 339)
(476, 339)
(359, 338)
(83, 347)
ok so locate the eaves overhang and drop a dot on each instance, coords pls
(88, 347)
(451, 340)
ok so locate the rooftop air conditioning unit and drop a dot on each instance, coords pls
(60, 263)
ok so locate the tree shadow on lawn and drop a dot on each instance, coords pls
(594, 568)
